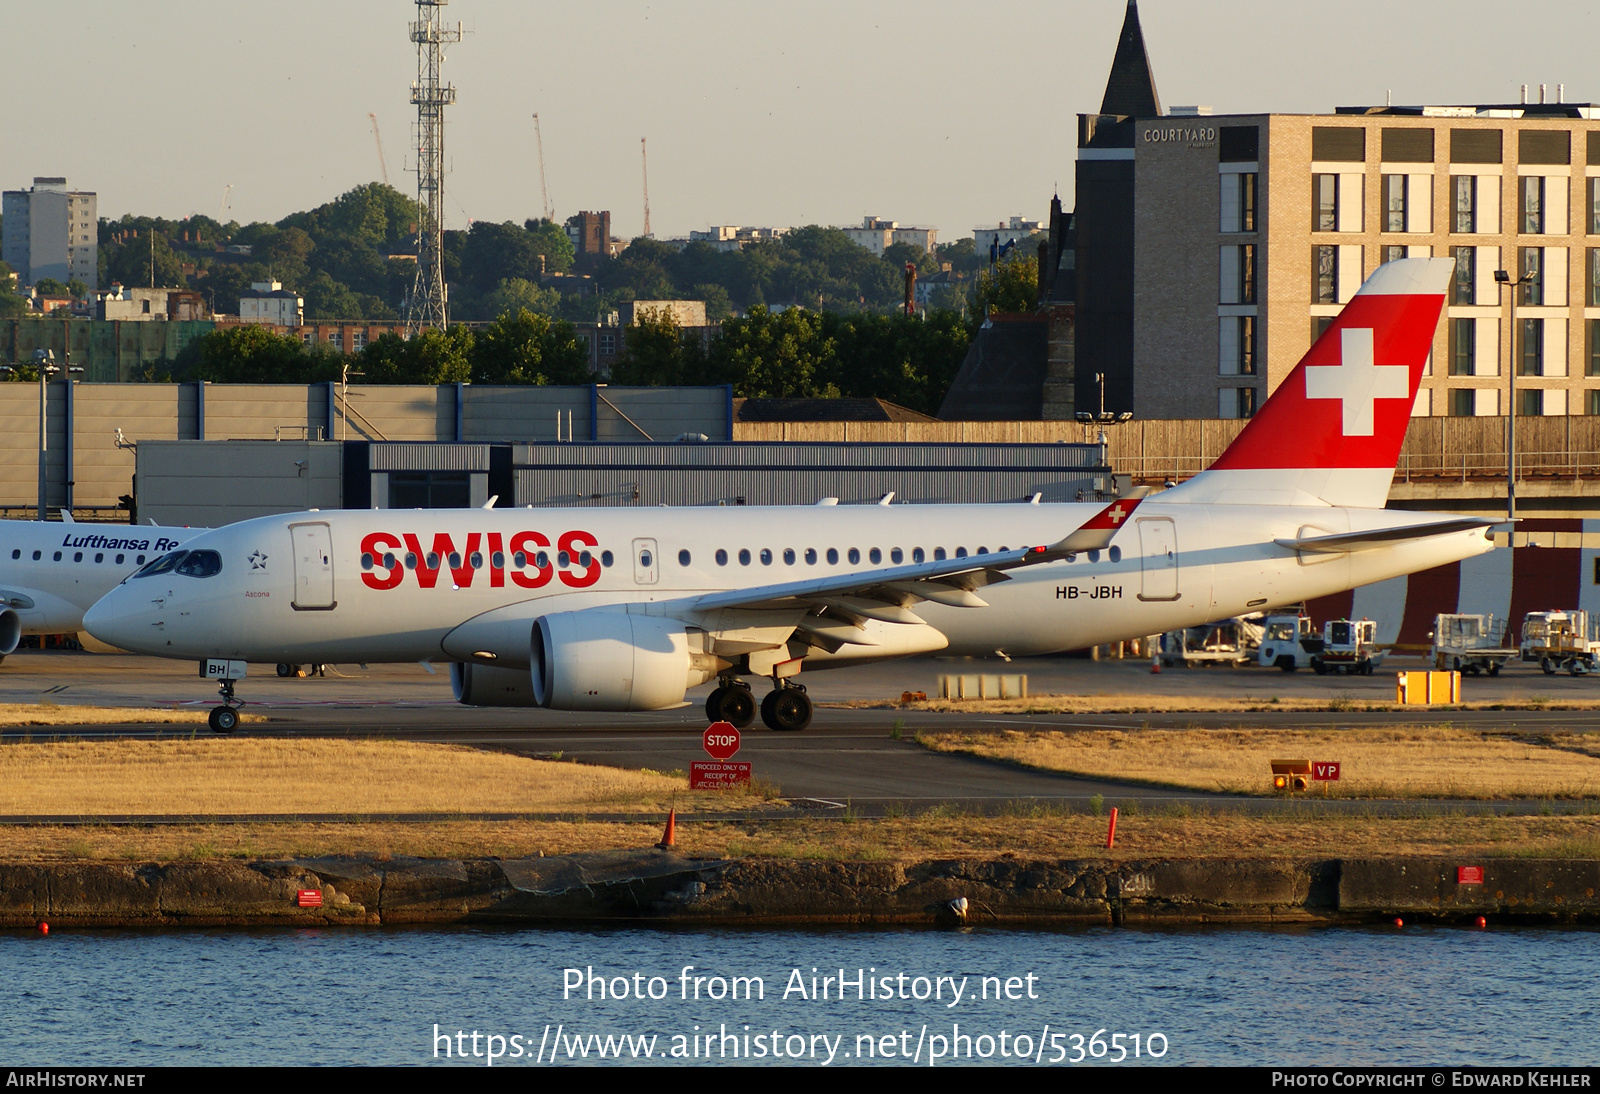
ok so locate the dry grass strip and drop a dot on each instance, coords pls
(1404, 761)
(49, 714)
(1180, 704)
(318, 775)
(1169, 832)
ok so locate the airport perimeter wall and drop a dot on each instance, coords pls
(623, 887)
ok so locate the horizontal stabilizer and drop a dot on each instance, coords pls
(1347, 542)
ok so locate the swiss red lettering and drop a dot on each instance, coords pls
(497, 561)
(381, 576)
(443, 547)
(525, 574)
(527, 544)
(573, 543)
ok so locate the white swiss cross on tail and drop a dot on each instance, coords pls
(1331, 432)
(1357, 381)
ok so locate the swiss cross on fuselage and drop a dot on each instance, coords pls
(1357, 381)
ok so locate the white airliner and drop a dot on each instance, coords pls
(51, 573)
(625, 609)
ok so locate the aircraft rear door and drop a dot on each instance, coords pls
(646, 566)
(1158, 547)
(313, 567)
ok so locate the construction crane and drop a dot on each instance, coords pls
(544, 187)
(383, 165)
(644, 160)
(222, 206)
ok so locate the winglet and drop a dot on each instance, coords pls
(1095, 534)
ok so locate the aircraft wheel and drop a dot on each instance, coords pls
(285, 670)
(738, 706)
(224, 719)
(1548, 666)
(714, 703)
(791, 709)
(768, 719)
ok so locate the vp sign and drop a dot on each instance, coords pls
(722, 741)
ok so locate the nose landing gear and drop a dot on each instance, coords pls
(225, 719)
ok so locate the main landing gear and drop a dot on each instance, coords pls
(731, 702)
(786, 707)
(225, 719)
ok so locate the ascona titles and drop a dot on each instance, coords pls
(524, 558)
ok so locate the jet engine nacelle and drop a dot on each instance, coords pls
(487, 686)
(10, 631)
(614, 660)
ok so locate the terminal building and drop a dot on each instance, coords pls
(1211, 250)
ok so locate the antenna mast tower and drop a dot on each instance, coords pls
(644, 165)
(428, 306)
(544, 187)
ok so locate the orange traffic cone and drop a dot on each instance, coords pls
(669, 837)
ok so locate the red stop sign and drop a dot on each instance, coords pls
(721, 741)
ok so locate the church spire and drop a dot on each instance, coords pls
(1131, 88)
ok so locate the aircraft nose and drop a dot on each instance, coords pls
(119, 620)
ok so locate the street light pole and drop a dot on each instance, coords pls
(1501, 277)
(43, 360)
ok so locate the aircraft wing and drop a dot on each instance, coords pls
(889, 594)
(1346, 542)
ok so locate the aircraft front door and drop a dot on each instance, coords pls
(646, 566)
(313, 567)
(1158, 546)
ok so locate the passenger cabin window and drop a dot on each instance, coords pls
(744, 556)
(788, 556)
(875, 556)
(17, 553)
(607, 558)
(833, 556)
(683, 558)
(722, 557)
(854, 556)
(811, 556)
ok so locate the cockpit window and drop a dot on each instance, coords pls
(200, 564)
(163, 564)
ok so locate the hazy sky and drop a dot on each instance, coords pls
(933, 113)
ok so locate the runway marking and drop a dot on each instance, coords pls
(57, 690)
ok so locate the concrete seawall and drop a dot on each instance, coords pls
(664, 888)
